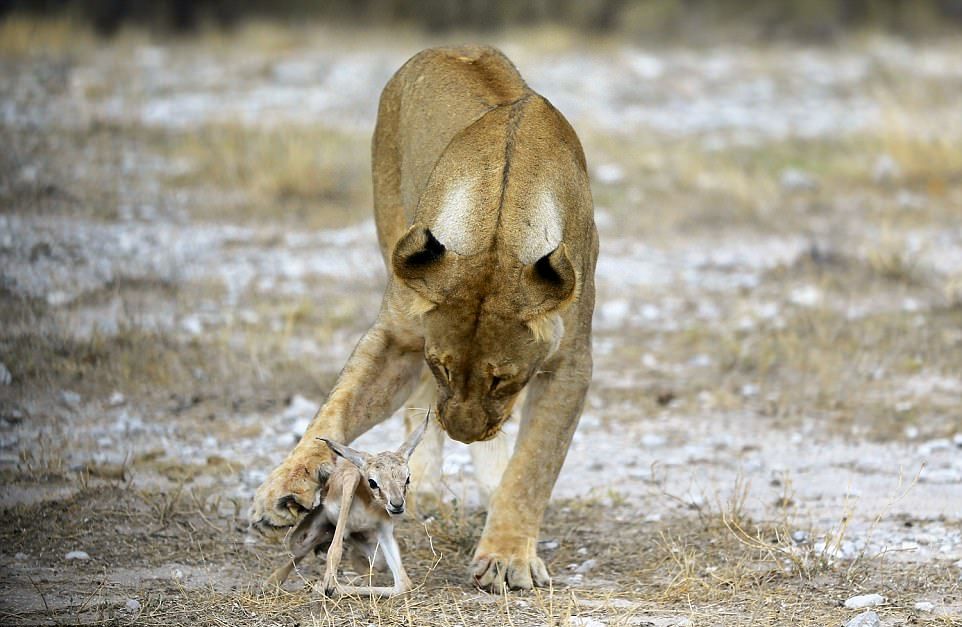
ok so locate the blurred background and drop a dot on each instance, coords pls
(819, 20)
(187, 257)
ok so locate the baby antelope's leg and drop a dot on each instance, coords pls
(336, 550)
(392, 554)
(314, 530)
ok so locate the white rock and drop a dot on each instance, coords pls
(924, 606)
(133, 605)
(71, 399)
(549, 545)
(934, 446)
(116, 399)
(957, 439)
(652, 440)
(806, 296)
(796, 180)
(192, 324)
(799, 536)
(609, 173)
(5, 377)
(584, 621)
(885, 169)
(77, 555)
(20, 557)
(864, 600)
(865, 619)
(586, 566)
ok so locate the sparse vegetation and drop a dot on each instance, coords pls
(739, 309)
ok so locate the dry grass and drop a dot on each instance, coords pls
(718, 564)
(143, 519)
(312, 175)
(22, 36)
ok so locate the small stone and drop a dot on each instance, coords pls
(865, 619)
(178, 573)
(77, 555)
(924, 606)
(586, 566)
(71, 399)
(5, 377)
(885, 169)
(20, 557)
(192, 325)
(651, 440)
(609, 173)
(584, 621)
(116, 399)
(799, 536)
(957, 439)
(133, 605)
(795, 180)
(864, 600)
(549, 545)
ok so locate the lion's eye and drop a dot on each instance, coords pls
(408, 481)
(372, 483)
(495, 382)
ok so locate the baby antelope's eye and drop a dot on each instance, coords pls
(372, 483)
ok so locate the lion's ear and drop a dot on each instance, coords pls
(549, 283)
(418, 260)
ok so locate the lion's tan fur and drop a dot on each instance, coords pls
(485, 222)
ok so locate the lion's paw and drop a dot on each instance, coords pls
(498, 573)
(291, 490)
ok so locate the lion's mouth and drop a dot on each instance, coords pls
(489, 433)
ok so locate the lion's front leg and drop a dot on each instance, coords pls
(375, 381)
(506, 557)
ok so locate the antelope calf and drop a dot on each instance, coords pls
(365, 493)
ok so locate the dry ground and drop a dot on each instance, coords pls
(187, 257)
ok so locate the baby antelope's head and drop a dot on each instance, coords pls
(386, 474)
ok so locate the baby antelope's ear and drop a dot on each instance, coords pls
(407, 449)
(355, 457)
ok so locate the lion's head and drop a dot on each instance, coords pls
(489, 323)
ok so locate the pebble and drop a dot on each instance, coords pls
(116, 399)
(799, 536)
(864, 600)
(71, 399)
(924, 606)
(20, 557)
(797, 180)
(77, 555)
(885, 169)
(5, 377)
(133, 605)
(549, 545)
(651, 440)
(865, 619)
(586, 566)
(584, 621)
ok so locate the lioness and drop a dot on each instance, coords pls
(485, 221)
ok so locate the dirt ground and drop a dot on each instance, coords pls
(187, 256)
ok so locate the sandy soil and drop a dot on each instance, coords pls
(775, 421)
